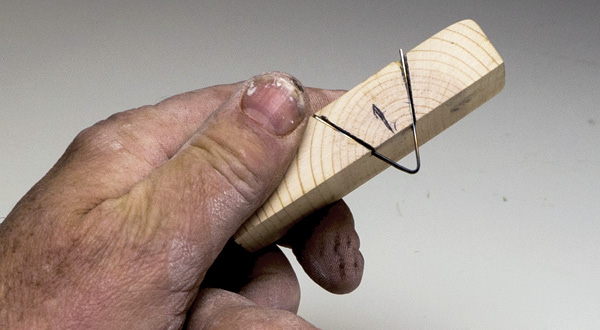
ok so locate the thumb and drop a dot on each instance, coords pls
(225, 171)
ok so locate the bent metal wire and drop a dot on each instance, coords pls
(373, 150)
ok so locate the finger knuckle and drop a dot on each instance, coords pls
(119, 133)
(231, 164)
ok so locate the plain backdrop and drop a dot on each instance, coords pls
(500, 229)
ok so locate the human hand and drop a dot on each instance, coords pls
(124, 231)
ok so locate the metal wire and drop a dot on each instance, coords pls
(376, 110)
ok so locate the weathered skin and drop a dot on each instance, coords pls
(122, 231)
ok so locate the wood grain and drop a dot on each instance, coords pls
(452, 73)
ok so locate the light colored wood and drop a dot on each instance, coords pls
(452, 73)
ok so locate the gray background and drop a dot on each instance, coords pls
(501, 228)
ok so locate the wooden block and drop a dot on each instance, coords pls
(452, 73)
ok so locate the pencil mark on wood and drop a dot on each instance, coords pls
(379, 115)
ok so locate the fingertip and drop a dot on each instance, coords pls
(327, 246)
(273, 282)
(220, 309)
(265, 277)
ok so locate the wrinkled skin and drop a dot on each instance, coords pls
(130, 228)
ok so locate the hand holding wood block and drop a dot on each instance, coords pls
(452, 73)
